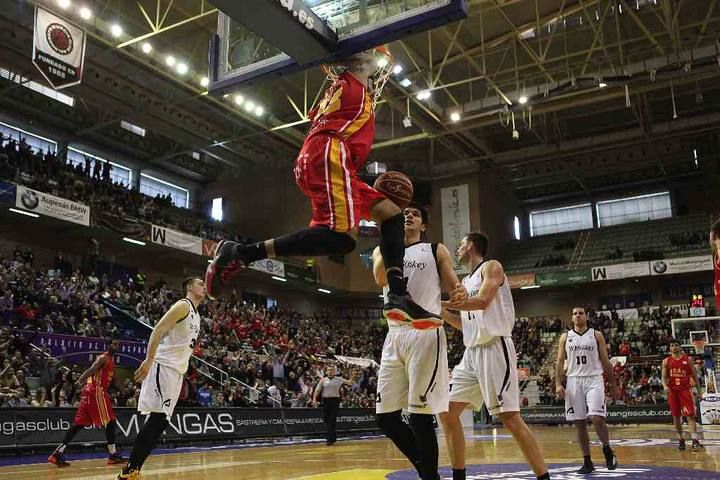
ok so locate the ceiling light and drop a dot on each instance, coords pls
(23, 212)
(381, 296)
(259, 111)
(424, 95)
(204, 82)
(324, 290)
(529, 287)
(133, 241)
(146, 47)
(405, 82)
(249, 106)
(85, 13)
(279, 279)
(64, 4)
(169, 60)
(239, 99)
(116, 30)
(455, 117)
(523, 100)
(182, 68)
(602, 84)
(397, 69)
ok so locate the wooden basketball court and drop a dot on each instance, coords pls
(645, 452)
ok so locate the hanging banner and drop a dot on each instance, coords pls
(621, 270)
(563, 277)
(519, 280)
(208, 248)
(52, 206)
(58, 49)
(681, 265)
(455, 206)
(174, 239)
(269, 266)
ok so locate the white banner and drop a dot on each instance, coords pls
(681, 265)
(58, 49)
(622, 270)
(52, 206)
(359, 361)
(174, 239)
(455, 205)
(270, 266)
(710, 409)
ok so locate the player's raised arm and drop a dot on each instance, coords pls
(176, 313)
(560, 367)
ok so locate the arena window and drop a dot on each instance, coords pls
(153, 187)
(130, 127)
(36, 142)
(563, 219)
(217, 209)
(36, 87)
(634, 209)
(516, 228)
(119, 173)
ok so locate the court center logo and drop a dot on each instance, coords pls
(59, 38)
(516, 471)
(30, 200)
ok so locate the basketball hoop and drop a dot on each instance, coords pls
(383, 62)
(699, 344)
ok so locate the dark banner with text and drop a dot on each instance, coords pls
(615, 414)
(47, 426)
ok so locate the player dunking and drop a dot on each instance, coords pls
(336, 147)
(413, 368)
(168, 353)
(487, 372)
(585, 350)
(95, 407)
(677, 371)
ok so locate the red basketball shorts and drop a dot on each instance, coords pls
(326, 174)
(95, 408)
(681, 403)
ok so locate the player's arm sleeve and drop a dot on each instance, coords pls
(177, 312)
(493, 278)
(379, 268)
(560, 364)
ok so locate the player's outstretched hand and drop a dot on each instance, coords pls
(560, 392)
(142, 371)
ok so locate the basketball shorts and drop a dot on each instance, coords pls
(413, 372)
(681, 403)
(95, 408)
(585, 396)
(160, 390)
(325, 172)
(487, 374)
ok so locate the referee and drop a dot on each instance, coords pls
(330, 386)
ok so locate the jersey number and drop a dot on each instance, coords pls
(581, 360)
(192, 343)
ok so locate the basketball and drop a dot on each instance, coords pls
(396, 186)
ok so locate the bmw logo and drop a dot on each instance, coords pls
(29, 199)
(659, 267)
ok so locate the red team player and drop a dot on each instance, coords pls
(336, 147)
(677, 371)
(95, 407)
(715, 244)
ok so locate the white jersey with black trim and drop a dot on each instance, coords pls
(498, 318)
(177, 345)
(420, 270)
(583, 358)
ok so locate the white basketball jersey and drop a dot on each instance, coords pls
(583, 359)
(177, 345)
(497, 320)
(423, 280)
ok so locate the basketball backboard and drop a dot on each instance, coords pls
(257, 39)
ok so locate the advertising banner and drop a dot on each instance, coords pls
(563, 278)
(47, 426)
(208, 248)
(615, 414)
(58, 49)
(174, 239)
(269, 266)
(519, 280)
(681, 265)
(52, 206)
(455, 207)
(621, 270)
(710, 409)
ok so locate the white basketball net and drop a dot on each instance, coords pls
(384, 61)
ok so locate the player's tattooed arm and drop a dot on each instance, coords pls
(560, 367)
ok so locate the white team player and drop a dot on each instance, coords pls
(413, 369)
(487, 372)
(585, 350)
(168, 353)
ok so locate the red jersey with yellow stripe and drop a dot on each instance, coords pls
(104, 376)
(95, 404)
(346, 112)
(679, 372)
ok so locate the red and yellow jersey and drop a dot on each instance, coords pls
(716, 267)
(679, 372)
(103, 376)
(346, 111)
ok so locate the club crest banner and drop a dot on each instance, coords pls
(58, 49)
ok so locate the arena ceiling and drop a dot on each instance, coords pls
(597, 75)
